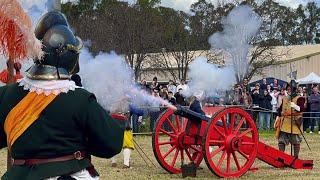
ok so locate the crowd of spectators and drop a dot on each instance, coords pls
(263, 100)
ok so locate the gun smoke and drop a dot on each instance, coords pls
(36, 8)
(109, 77)
(209, 77)
(239, 28)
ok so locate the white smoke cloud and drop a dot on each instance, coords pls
(239, 27)
(209, 77)
(106, 75)
(36, 8)
(110, 78)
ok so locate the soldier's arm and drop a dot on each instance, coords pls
(105, 135)
(2, 119)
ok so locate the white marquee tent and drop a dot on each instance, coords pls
(312, 78)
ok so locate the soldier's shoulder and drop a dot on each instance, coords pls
(81, 92)
(2, 90)
(11, 87)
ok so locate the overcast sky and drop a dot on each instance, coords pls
(184, 5)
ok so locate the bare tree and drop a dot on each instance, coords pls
(262, 57)
(177, 63)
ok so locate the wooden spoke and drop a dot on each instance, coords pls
(170, 150)
(167, 133)
(171, 125)
(245, 132)
(239, 125)
(215, 152)
(173, 162)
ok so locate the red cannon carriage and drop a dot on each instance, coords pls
(226, 138)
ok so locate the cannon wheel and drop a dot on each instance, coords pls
(167, 143)
(230, 143)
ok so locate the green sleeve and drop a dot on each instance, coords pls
(3, 141)
(105, 135)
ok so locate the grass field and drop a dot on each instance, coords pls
(141, 171)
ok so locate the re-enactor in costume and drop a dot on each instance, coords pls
(289, 125)
(51, 126)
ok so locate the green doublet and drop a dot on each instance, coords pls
(74, 121)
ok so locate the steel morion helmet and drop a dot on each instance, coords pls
(61, 49)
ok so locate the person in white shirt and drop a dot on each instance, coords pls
(274, 102)
(183, 86)
(172, 87)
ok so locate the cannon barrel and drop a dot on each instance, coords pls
(186, 112)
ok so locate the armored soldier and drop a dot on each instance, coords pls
(289, 123)
(51, 126)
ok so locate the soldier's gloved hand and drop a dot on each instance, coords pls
(294, 106)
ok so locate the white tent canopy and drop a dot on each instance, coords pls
(312, 78)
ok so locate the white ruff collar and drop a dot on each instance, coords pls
(47, 87)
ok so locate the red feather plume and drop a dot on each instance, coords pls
(17, 38)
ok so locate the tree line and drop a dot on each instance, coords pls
(145, 27)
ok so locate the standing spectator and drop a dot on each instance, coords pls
(172, 87)
(274, 102)
(269, 88)
(236, 96)
(183, 86)
(255, 95)
(154, 84)
(264, 117)
(281, 95)
(300, 91)
(285, 85)
(264, 84)
(245, 85)
(171, 98)
(314, 101)
(275, 84)
(180, 98)
(246, 98)
(306, 116)
(164, 92)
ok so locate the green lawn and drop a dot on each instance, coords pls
(141, 171)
